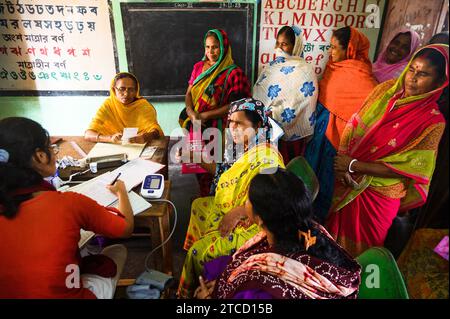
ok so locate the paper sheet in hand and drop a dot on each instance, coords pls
(129, 132)
(134, 172)
(138, 204)
(106, 149)
(96, 189)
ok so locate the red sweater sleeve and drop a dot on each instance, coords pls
(102, 220)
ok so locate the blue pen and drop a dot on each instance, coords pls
(115, 179)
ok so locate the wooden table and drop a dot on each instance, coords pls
(156, 219)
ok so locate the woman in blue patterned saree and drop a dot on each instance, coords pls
(288, 88)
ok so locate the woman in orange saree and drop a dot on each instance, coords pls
(346, 83)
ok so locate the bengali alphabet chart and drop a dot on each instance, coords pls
(55, 45)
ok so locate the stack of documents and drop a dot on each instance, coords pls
(133, 151)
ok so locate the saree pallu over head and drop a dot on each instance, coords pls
(384, 71)
(401, 133)
(232, 151)
(113, 116)
(213, 87)
(346, 84)
(288, 88)
(294, 276)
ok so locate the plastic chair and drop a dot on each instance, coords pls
(300, 167)
(380, 276)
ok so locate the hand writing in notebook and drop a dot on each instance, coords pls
(117, 188)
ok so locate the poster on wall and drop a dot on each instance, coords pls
(317, 19)
(55, 46)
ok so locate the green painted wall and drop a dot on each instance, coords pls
(70, 115)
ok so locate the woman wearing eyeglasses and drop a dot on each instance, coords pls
(124, 108)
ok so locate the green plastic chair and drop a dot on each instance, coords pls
(300, 167)
(380, 276)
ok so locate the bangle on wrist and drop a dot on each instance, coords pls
(98, 137)
(349, 169)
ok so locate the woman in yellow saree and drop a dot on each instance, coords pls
(388, 152)
(124, 108)
(218, 224)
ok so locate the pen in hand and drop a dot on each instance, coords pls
(115, 179)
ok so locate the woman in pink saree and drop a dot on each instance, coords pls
(388, 152)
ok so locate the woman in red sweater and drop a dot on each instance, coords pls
(40, 227)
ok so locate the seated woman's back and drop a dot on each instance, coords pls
(293, 257)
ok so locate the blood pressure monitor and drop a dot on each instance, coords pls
(152, 186)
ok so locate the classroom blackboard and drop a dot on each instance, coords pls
(164, 40)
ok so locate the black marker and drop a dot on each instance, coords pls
(115, 179)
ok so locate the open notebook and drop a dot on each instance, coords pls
(138, 204)
(132, 174)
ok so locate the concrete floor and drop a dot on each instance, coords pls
(183, 189)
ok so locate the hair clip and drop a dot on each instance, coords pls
(309, 240)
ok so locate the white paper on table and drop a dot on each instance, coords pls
(149, 151)
(96, 189)
(138, 204)
(134, 172)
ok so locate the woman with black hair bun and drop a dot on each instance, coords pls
(293, 257)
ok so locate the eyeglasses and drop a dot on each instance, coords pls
(55, 148)
(122, 90)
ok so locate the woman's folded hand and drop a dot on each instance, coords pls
(230, 220)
